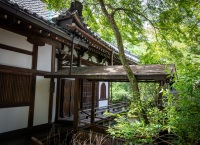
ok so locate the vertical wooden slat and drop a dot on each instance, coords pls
(29, 95)
(8, 87)
(97, 94)
(82, 94)
(66, 100)
(72, 97)
(61, 98)
(76, 96)
(93, 101)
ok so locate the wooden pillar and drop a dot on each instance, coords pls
(79, 60)
(109, 92)
(57, 99)
(76, 106)
(112, 54)
(52, 84)
(110, 84)
(92, 121)
(71, 62)
(33, 85)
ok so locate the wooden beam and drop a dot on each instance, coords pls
(15, 49)
(36, 40)
(33, 86)
(18, 70)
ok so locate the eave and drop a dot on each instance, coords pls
(146, 73)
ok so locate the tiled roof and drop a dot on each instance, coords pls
(39, 10)
(37, 7)
(127, 53)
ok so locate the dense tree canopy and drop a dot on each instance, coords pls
(159, 31)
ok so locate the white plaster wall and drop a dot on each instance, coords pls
(16, 40)
(13, 118)
(41, 100)
(103, 103)
(44, 58)
(11, 58)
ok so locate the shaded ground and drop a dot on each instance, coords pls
(25, 138)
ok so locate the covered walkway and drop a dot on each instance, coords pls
(162, 74)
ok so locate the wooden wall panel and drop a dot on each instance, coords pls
(103, 92)
(87, 94)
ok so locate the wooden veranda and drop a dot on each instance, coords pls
(161, 74)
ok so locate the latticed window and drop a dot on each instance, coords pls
(103, 91)
(14, 89)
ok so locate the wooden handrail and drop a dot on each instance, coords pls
(114, 108)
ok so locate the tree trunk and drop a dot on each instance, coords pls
(131, 76)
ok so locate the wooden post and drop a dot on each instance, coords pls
(76, 98)
(92, 121)
(52, 84)
(71, 62)
(110, 96)
(33, 85)
(57, 99)
(79, 60)
(112, 54)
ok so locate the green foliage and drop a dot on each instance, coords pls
(121, 91)
(186, 116)
(167, 31)
(180, 116)
(135, 131)
(57, 4)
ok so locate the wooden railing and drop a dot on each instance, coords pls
(100, 112)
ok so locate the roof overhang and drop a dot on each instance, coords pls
(146, 73)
